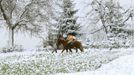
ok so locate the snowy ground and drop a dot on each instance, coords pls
(93, 61)
(121, 66)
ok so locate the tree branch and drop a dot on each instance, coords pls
(101, 29)
(18, 23)
(4, 14)
(13, 8)
(21, 16)
(127, 18)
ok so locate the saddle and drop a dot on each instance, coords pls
(72, 42)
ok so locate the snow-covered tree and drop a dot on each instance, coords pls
(66, 19)
(69, 19)
(111, 16)
(103, 17)
(22, 15)
(63, 19)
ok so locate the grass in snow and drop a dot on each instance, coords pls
(46, 63)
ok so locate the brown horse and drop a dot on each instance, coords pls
(76, 44)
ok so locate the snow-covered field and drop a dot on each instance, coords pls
(46, 63)
(121, 66)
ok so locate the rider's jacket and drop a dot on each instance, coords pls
(70, 38)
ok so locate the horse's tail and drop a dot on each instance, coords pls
(81, 48)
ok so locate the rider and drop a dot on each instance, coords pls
(71, 37)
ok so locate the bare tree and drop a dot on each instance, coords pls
(110, 13)
(22, 15)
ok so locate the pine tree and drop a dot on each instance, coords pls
(67, 20)
(63, 19)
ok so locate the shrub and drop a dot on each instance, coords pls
(17, 48)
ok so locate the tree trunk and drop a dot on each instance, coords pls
(11, 37)
(104, 25)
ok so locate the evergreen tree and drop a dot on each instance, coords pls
(63, 19)
(66, 21)
(69, 20)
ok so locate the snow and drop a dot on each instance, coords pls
(121, 66)
(43, 62)
(25, 40)
(81, 5)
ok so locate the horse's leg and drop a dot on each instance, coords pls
(70, 50)
(66, 50)
(54, 50)
(63, 50)
(76, 50)
(81, 49)
(69, 47)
